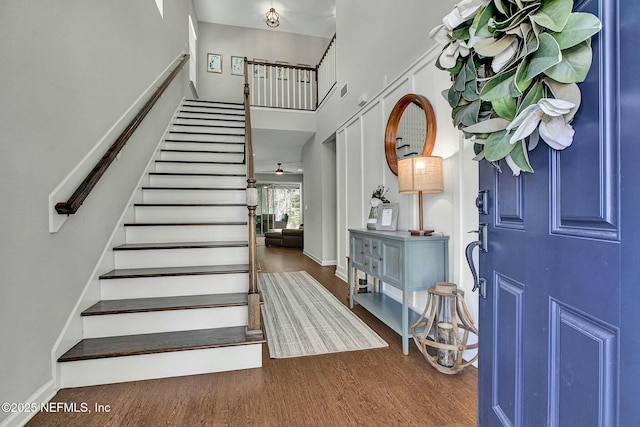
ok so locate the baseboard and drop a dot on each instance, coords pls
(40, 397)
(318, 260)
(341, 274)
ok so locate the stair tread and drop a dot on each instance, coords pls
(209, 118)
(197, 174)
(218, 113)
(195, 188)
(206, 133)
(208, 126)
(199, 162)
(170, 150)
(227, 106)
(190, 204)
(181, 245)
(205, 142)
(182, 302)
(155, 224)
(131, 345)
(175, 271)
(206, 101)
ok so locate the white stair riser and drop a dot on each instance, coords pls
(234, 130)
(202, 157)
(161, 365)
(197, 181)
(111, 325)
(193, 196)
(201, 103)
(225, 121)
(164, 214)
(201, 168)
(205, 137)
(185, 233)
(205, 146)
(171, 286)
(215, 116)
(156, 258)
(222, 110)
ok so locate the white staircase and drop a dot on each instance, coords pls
(176, 303)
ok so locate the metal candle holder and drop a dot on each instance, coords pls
(442, 331)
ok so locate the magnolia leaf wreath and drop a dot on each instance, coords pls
(515, 65)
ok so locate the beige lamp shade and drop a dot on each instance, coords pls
(422, 173)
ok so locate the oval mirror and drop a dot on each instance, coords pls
(411, 130)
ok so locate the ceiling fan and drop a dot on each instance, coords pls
(280, 171)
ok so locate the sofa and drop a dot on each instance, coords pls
(286, 237)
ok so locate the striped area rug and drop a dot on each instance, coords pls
(302, 318)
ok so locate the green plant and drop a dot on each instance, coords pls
(514, 66)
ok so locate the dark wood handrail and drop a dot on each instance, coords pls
(254, 328)
(273, 64)
(327, 49)
(78, 197)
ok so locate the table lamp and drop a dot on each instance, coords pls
(421, 174)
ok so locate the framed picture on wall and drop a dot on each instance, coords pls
(260, 71)
(282, 73)
(304, 76)
(214, 63)
(237, 65)
(387, 217)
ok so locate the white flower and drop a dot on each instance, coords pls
(440, 34)
(463, 11)
(449, 56)
(550, 115)
(504, 57)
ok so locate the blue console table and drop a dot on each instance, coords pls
(408, 263)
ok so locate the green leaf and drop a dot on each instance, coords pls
(482, 19)
(461, 33)
(520, 156)
(497, 146)
(575, 64)
(461, 80)
(487, 126)
(522, 83)
(470, 69)
(505, 107)
(500, 87)
(455, 70)
(553, 14)
(547, 55)
(452, 97)
(471, 91)
(579, 28)
(468, 115)
(535, 94)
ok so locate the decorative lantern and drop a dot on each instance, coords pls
(442, 331)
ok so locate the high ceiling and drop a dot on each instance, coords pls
(309, 17)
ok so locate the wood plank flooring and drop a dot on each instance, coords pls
(378, 387)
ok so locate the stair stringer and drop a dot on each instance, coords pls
(73, 330)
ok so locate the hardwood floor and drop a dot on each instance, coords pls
(378, 387)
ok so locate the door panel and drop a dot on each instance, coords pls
(550, 325)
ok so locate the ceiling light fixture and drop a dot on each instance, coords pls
(273, 18)
(279, 171)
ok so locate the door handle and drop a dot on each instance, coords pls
(478, 282)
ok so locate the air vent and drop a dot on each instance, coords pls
(344, 90)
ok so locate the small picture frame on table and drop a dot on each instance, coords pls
(387, 217)
(214, 63)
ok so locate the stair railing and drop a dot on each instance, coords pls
(282, 85)
(254, 328)
(327, 71)
(78, 197)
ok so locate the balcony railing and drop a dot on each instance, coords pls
(299, 87)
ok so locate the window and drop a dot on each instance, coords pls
(278, 207)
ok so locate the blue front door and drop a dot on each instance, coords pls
(558, 340)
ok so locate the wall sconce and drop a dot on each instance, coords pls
(273, 18)
(421, 174)
(442, 331)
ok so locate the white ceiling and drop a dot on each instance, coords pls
(310, 17)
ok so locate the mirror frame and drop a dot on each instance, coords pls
(392, 128)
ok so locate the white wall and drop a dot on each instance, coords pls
(238, 41)
(69, 72)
